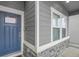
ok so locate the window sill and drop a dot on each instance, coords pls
(46, 46)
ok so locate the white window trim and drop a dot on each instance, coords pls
(19, 12)
(53, 10)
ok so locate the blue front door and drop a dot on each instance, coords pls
(10, 33)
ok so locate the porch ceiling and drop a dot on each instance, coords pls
(72, 6)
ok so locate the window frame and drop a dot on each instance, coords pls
(53, 10)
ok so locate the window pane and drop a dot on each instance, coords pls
(63, 32)
(63, 23)
(56, 34)
(56, 20)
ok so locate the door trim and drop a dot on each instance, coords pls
(18, 12)
(18, 53)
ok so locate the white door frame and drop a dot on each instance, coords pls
(18, 12)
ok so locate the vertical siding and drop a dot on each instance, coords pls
(30, 22)
(13, 4)
(45, 20)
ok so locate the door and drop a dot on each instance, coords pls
(10, 33)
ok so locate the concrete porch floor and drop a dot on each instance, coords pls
(71, 52)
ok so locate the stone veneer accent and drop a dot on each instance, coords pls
(27, 52)
(54, 51)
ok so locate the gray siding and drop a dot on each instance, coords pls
(45, 20)
(44, 24)
(13, 4)
(74, 30)
(30, 22)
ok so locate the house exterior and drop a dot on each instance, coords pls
(38, 40)
(37, 28)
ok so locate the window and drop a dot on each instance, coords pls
(63, 27)
(10, 20)
(58, 25)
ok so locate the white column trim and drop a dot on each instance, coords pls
(36, 46)
(37, 25)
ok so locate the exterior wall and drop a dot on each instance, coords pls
(45, 29)
(44, 24)
(54, 51)
(13, 4)
(30, 22)
(29, 26)
(45, 20)
(74, 30)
